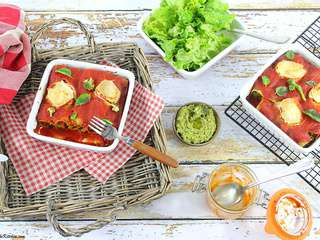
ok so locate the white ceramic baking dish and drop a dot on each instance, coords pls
(263, 119)
(32, 120)
(206, 66)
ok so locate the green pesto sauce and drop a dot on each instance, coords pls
(196, 123)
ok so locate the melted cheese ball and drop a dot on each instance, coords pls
(315, 93)
(108, 91)
(60, 94)
(290, 69)
(290, 111)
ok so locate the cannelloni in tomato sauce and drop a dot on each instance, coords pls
(288, 94)
(73, 96)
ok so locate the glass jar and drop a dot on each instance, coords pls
(228, 173)
(289, 215)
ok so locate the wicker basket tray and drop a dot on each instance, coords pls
(140, 180)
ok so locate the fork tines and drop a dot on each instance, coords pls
(97, 125)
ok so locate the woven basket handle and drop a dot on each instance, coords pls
(77, 232)
(44, 27)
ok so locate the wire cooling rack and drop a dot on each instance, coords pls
(310, 39)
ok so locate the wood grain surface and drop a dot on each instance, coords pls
(182, 214)
(94, 5)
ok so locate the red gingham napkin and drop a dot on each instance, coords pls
(15, 52)
(145, 108)
(40, 164)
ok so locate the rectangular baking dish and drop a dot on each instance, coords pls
(263, 119)
(198, 72)
(32, 120)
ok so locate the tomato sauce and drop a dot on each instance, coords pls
(266, 100)
(61, 126)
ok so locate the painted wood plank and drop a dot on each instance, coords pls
(72, 5)
(230, 73)
(231, 143)
(219, 85)
(165, 218)
(121, 26)
(181, 203)
(164, 230)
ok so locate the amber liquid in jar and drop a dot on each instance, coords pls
(230, 173)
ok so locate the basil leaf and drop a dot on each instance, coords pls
(290, 55)
(291, 82)
(88, 84)
(281, 91)
(83, 99)
(300, 90)
(311, 83)
(64, 71)
(74, 116)
(265, 80)
(313, 114)
(107, 121)
(292, 87)
(51, 111)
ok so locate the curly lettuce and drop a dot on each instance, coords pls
(190, 32)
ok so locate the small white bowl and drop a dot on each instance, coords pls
(206, 66)
(32, 120)
(262, 118)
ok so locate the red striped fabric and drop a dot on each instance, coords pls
(15, 52)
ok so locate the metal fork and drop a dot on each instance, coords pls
(110, 133)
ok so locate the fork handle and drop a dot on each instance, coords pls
(154, 153)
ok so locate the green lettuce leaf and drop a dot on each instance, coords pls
(190, 32)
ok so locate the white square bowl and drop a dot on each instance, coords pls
(262, 118)
(198, 72)
(32, 120)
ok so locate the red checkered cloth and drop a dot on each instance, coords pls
(40, 164)
(15, 52)
(145, 108)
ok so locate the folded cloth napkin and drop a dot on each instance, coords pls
(40, 164)
(15, 52)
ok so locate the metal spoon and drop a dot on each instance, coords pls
(274, 39)
(227, 195)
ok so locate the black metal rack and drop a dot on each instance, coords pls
(310, 39)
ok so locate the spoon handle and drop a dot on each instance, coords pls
(274, 39)
(300, 166)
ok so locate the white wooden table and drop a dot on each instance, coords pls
(182, 214)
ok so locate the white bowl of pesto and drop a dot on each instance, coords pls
(196, 124)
